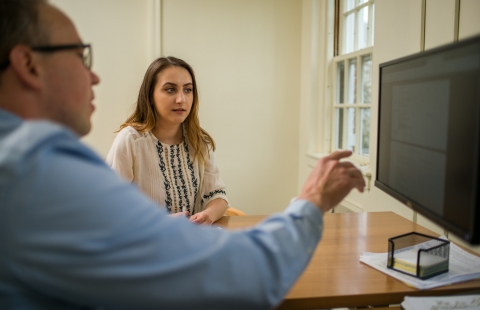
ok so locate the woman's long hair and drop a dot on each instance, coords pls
(144, 117)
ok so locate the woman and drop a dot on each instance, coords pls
(162, 148)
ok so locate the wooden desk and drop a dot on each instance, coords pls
(335, 276)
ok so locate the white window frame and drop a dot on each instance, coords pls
(355, 10)
(356, 54)
(358, 105)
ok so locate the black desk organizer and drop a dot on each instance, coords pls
(438, 253)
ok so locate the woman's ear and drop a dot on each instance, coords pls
(25, 65)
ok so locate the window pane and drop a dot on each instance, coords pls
(362, 33)
(348, 5)
(340, 82)
(352, 80)
(351, 129)
(367, 79)
(362, 1)
(350, 33)
(364, 131)
(339, 128)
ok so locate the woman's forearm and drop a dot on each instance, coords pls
(216, 208)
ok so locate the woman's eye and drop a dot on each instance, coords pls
(188, 90)
(170, 90)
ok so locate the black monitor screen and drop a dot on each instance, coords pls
(428, 135)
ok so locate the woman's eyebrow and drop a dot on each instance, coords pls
(169, 83)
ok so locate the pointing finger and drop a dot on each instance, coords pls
(337, 155)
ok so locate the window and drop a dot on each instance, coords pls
(352, 78)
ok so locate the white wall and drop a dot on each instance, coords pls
(246, 56)
(439, 22)
(121, 35)
(469, 23)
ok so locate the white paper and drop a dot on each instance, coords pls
(463, 266)
(426, 259)
(466, 302)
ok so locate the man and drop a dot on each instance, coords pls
(72, 235)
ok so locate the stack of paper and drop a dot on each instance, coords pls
(466, 302)
(463, 266)
(429, 264)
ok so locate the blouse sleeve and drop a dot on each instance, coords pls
(121, 155)
(213, 186)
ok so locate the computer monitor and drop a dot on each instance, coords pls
(428, 148)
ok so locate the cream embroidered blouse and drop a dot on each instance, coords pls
(166, 173)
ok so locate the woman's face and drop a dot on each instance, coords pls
(173, 95)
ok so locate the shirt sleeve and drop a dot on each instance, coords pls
(121, 155)
(213, 186)
(83, 236)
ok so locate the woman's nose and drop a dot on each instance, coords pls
(180, 97)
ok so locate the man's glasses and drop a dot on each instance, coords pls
(86, 57)
(87, 51)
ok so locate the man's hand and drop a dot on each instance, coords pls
(331, 180)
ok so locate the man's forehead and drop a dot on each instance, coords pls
(59, 26)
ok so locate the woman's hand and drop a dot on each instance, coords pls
(201, 218)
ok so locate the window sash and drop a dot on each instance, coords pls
(351, 17)
(347, 108)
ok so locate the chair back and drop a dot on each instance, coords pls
(234, 212)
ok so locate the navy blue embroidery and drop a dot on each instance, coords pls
(168, 200)
(175, 176)
(211, 194)
(181, 188)
(192, 174)
(183, 185)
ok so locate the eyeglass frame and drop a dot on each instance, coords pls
(86, 58)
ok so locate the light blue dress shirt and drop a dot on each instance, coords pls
(73, 235)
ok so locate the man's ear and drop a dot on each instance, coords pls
(25, 65)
